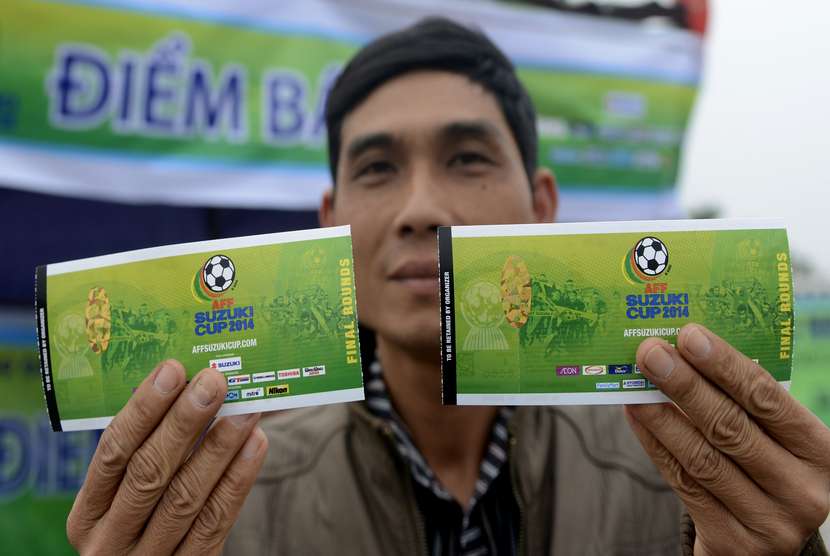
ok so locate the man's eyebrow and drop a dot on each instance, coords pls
(363, 143)
(473, 129)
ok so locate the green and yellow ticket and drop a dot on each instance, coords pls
(275, 313)
(553, 313)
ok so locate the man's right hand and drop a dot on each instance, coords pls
(147, 491)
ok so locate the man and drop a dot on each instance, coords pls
(428, 127)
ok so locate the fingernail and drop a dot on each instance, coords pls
(251, 447)
(697, 343)
(166, 379)
(204, 391)
(659, 361)
(239, 421)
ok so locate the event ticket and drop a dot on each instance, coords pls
(275, 313)
(553, 313)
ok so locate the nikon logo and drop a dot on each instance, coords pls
(278, 390)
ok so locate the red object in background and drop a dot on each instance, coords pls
(687, 14)
(697, 14)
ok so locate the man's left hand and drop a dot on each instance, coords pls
(751, 464)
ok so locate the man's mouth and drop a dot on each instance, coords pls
(419, 277)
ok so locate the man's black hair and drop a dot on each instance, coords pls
(433, 44)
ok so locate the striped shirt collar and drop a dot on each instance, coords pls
(380, 404)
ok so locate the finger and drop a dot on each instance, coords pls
(711, 518)
(153, 465)
(724, 423)
(191, 486)
(120, 440)
(214, 522)
(706, 465)
(786, 420)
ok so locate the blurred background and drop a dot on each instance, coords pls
(128, 124)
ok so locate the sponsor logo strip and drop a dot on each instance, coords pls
(316, 370)
(634, 383)
(567, 370)
(619, 369)
(264, 377)
(226, 364)
(249, 393)
(594, 370)
(239, 379)
(608, 385)
(288, 373)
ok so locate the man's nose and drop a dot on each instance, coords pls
(425, 206)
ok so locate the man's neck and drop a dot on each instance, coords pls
(452, 439)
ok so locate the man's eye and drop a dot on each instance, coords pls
(374, 168)
(468, 158)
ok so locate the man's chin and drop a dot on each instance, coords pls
(420, 337)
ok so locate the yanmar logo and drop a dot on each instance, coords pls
(226, 364)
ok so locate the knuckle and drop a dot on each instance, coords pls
(730, 428)
(684, 484)
(764, 397)
(111, 456)
(815, 506)
(73, 531)
(146, 476)
(705, 463)
(181, 500)
(213, 521)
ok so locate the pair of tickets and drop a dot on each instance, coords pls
(530, 314)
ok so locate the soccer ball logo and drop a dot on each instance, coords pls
(218, 273)
(651, 256)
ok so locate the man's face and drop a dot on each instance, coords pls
(426, 149)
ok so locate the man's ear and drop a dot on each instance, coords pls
(545, 196)
(325, 214)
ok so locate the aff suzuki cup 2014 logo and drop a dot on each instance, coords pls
(215, 278)
(648, 259)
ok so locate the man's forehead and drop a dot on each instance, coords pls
(424, 102)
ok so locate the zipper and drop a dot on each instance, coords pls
(420, 525)
(519, 502)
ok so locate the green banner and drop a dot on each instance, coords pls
(811, 381)
(114, 100)
(40, 472)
